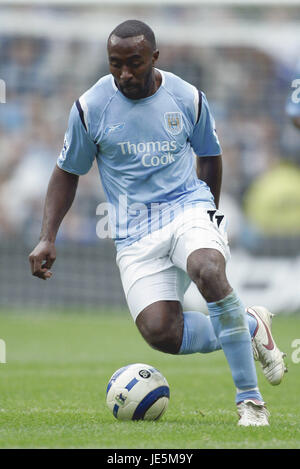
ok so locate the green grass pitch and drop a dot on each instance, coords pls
(52, 388)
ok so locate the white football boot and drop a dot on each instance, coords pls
(252, 413)
(264, 347)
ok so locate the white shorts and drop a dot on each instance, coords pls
(154, 268)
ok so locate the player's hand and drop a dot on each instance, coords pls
(41, 259)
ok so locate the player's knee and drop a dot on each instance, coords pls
(165, 343)
(163, 339)
(204, 271)
(208, 273)
(161, 335)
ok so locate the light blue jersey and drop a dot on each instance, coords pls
(145, 151)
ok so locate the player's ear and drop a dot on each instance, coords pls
(155, 56)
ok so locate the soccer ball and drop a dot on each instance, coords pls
(137, 392)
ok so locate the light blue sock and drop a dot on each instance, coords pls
(252, 323)
(199, 335)
(231, 327)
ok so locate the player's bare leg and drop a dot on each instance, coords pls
(161, 325)
(206, 267)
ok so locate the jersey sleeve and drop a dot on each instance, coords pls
(79, 150)
(204, 139)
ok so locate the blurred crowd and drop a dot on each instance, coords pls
(246, 88)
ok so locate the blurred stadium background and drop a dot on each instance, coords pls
(242, 54)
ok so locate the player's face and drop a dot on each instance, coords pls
(131, 62)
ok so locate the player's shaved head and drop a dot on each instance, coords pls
(132, 55)
(133, 28)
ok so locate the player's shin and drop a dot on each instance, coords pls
(199, 334)
(231, 327)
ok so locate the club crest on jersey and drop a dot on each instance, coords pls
(173, 122)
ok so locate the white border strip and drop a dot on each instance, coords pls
(100, 3)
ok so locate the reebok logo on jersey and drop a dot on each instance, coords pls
(114, 128)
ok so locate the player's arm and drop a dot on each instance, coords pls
(296, 121)
(75, 159)
(205, 143)
(209, 170)
(60, 195)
